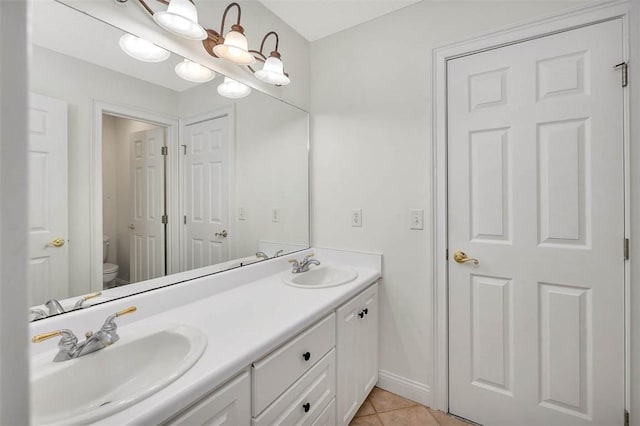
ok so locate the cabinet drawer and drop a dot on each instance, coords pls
(275, 373)
(328, 416)
(307, 399)
(228, 405)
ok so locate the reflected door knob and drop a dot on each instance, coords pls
(132, 227)
(57, 242)
(222, 234)
(461, 257)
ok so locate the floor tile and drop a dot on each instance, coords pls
(411, 416)
(445, 419)
(385, 401)
(365, 409)
(371, 420)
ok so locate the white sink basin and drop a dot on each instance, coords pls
(322, 276)
(97, 385)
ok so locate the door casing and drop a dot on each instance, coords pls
(559, 22)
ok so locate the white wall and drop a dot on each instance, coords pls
(371, 149)
(79, 83)
(14, 364)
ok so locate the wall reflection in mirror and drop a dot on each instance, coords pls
(137, 173)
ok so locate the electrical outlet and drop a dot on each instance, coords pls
(241, 215)
(275, 215)
(356, 218)
(417, 219)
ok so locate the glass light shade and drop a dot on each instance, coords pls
(233, 89)
(142, 50)
(192, 71)
(181, 18)
(273, 72)
(235, 49)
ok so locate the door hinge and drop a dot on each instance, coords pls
(626, 418)
(624, 66)
(165, 219)
(185, 220)
(446, 254)
(164, 150)
(626, 249)
(184, 149)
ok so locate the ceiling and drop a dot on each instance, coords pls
(315, 19)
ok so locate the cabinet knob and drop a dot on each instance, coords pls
(306, 407)
(306, 356)
(366, 311)
(361, 314)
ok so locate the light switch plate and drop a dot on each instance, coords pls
(275, 215)
(356, 218)
(241, 214)
(417, 219)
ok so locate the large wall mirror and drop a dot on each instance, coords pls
(139, 178)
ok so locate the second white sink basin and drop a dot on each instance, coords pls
(97, 385)
(322, 276)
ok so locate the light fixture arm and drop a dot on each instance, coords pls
(275, 34)
(224, 16)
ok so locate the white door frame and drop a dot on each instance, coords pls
(559, 22)
(230, 112)
(95, 174)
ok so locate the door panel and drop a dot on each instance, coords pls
(48, 273)
(535, 192)
(207, 193)
(147, 182)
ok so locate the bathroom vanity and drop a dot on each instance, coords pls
(276, 353)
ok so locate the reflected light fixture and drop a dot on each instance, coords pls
(272, 71)
(234, 47)
(233, 89)
(181, 18)
(142, 50)
(194, 72)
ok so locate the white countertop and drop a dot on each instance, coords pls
(242, 323)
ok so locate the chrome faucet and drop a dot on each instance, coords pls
(69, 348)
(278, 253)
(54, 307)
(303, 266)
(83, 299)
(262, 255)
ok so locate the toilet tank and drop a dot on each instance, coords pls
(106, 242)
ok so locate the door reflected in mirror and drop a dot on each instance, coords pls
(138, 175)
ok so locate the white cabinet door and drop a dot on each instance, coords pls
(229, 405)
(357, 347)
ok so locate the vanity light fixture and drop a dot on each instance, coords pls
(180, 18)
(233, 89)
(142, 50)
(234, 47)
(272, 71)
(192, 71)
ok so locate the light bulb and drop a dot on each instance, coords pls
(181, 18)
(273, 71)
(235, 48)
(192, 71)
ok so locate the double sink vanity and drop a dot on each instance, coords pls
(259, 345)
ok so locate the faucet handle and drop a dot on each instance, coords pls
(126, 311)
(309, 256)
(66, 335)
(109, 322)
(85, 298)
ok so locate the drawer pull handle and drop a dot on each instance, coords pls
(366, 311)
(361, 314)
(306, 407)
(306, 356)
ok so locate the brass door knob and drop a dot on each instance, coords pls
(461, 257)
(222, 234)
(57, 242)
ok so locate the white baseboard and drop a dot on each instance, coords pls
(404, 387)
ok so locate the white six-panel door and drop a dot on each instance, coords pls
(147, 236)
(207, 193)
(48, 273)
(535, 193)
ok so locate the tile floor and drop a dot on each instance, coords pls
(383, 408)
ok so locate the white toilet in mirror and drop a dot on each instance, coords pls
(109, 270)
